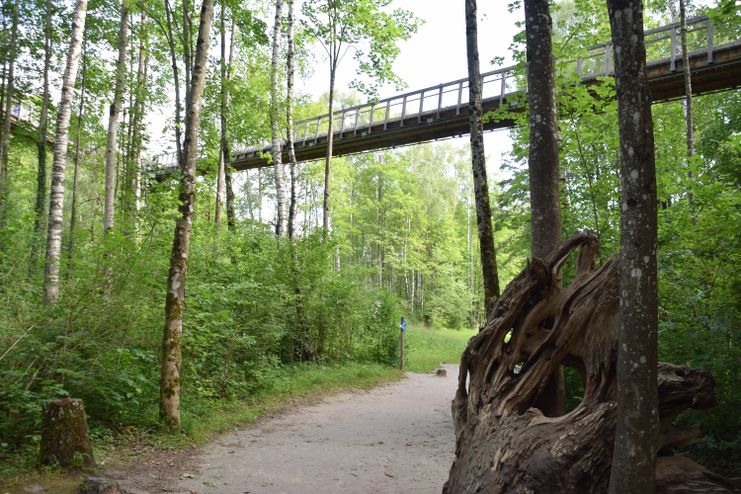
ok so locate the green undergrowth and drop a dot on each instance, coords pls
(290, 386)
(427, 348)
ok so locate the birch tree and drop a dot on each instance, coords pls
(220, 179)
(113, 120)
(637, 422)
(290, 75)
(478, 163)
(275, 124)
(56, 200)
(226, 75)
(171, 357)
(137, 126)
(76, 161)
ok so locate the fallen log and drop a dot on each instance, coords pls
(504, 443)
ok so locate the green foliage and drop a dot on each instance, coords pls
(428, 347)
(353, 24)
(698, 217)
(266, 318)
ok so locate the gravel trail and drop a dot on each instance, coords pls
(397, 438)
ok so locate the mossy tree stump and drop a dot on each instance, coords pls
(64, 437)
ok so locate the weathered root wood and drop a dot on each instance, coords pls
(503, 442)
(681, 475)
(64, 438)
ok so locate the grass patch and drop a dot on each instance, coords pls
(427, 348)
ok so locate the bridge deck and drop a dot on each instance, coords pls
(441, 111)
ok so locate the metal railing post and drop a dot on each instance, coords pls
(342, 123)
(318, 123)
(711, 35)
(372, 114)
(306, 132)
(503, 88)
(439, 100)
(673, 57)
(460, 96)
(403, 110)
(386, 118)
(421, 106)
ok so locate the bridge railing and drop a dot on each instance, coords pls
(662, 44)
(427, 104)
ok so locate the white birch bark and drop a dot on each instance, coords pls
(276, 144)
(56, 201)
(113, 119)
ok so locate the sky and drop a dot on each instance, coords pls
(437, 53)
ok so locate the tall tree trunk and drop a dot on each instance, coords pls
(290, 74)
(687, 98)
(637, 425)
(220, 179)
(174, 305)
(276, 144)
(543, 158)
(259, 195)
(9, 90)
(328, 159)
(137, 124)
(130, 198)
(75, 175)
(3, 74)
(113, 118)
(299, 336)
(231, 219)
(545, 206)
(176, 78)
(38, 226)
(478, 163)
(56, 200)
(187, 52)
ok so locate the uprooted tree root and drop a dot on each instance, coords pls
(505, 444)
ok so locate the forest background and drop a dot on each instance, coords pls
(261, 310)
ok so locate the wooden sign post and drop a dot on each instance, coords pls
(402, 327)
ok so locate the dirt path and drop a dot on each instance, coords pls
(395, 438)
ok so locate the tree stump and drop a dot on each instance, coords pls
(504, 443)
(64, 438)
